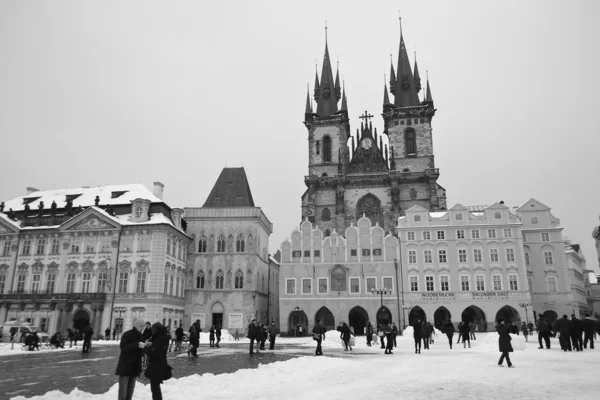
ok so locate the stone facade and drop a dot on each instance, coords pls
(104, 262)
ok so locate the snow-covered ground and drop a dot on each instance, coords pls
(438, 373)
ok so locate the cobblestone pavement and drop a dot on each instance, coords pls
(37, 373)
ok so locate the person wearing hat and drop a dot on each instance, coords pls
(252, 335)
(129, 366)
(504, 343)
(157, 359)
(273, 334)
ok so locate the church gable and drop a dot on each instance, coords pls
(533, 205)
(369, 156)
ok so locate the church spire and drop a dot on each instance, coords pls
(417, 77)
(337, 82)
(392, 76)
(386, 97)
(428, 97)
(308, 106)
(326, 99)
(344, 102)
(405, 91)
(317, 86)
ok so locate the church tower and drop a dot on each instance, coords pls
(328, 155)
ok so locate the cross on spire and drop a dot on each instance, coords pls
(366, 116)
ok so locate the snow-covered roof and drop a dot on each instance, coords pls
(438, 214)
(84, 196)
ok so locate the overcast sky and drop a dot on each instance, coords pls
(110, 92)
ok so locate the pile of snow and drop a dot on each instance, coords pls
(489, 341)
(226, 337)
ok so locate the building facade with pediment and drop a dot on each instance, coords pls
(101, 255)
(233, 277)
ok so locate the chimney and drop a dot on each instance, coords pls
(158, 190)
(31, 190)
(176, 215)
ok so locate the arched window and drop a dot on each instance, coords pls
(200, 280)
(202, 245)
(326, 149)
(370, 205)
(219, 280)
(326, 215)
(327, 232)
(410, 141)
(221, 244)
(239, 246)
(239, 279)
(169, 245)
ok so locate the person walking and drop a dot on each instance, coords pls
(178, 338)
(115, 333)
(525, 331)
(426, 334)
(218, 335)
(460, 324)
(448, 329)
(394, 333)
(588, 329)
(211, 336)
(563, 326)
(543, 327)
(380, 334)
(194, 341)
(369, 333)
(319, 336)
(197, 326)
(157, 358)
(129, 366)
(252, 335)
(237, 335)
(272, 335)
(465, 331)
(504, 344)
(576, 333)
(389, 333)
(107, 334)
(87, 339)
(259, 333)
(265, 335)
(71, 336)
(418, 335)
(530, 327)
(172, 337)
(345, 336)
(472, 327)
(431, 331)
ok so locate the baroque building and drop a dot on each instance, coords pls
(233, 277)
(349, 176)
(100, 255)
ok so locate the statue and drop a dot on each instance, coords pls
(2, 207)
(97, 201)
(69, 208)
(339, 202)
(53, 208)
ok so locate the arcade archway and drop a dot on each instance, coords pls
(81, 319)
(296, 320)
(357, 319)
(384, 316)
(440, 317)
(326, 318)
(551, 316)
(416, 312)
(477, 316)
(508, 314)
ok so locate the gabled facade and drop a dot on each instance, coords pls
(102, 255)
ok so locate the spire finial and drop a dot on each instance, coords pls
(400, 21)
(326, 32)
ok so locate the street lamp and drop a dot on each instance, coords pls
(525, 305)
(381, 292)
(405, 309)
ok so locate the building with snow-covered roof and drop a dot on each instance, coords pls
(101, 255)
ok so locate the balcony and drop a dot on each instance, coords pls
(42, 295)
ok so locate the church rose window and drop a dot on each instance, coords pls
(338, 279)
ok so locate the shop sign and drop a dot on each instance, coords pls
(493, 295)
(437, 295)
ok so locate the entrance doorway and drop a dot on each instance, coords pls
(297, 319)
(217, 310)
(440, 317)
(357, 319)
(81, 319)
(416, 313)
(477, 316)
(551, 316)
(509, 315)
(384, 316)
(326, 318)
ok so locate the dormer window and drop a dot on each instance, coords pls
(29, 200)
(138, 212)
(71, 197)
(117, 194)
(459, 217)
(497, 215)
(417, 218)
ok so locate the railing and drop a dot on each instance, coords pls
(42, 295)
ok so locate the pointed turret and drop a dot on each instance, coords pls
(417, 77)
(308, 109)
(428, 97)
(344, 102)
(386, 97)
(326, 100)
(317, 86)
(392, 77)
(406, 91)
(338, 91)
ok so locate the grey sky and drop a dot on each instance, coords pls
(109, 92)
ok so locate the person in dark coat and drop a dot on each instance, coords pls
(194, 341)
(178, 338)
(576, 333)
(460, 324)
(211, 336)
(87, 339)
(472, 327)
(394, 333)
(272, 335)
(588, 329)
(147, 333)
(129, 366)
(543, 327)
(465, 331)
(218, 335)
(265, 333)
(259, 333)
(107, 334)
(197, 326)
(115, 333)
(448, 329)
(369, 333)
(389, 334)
(563, 326)
(525, 331)
(252, 335)
(57, 342)
(71, 336)
(381, 334)
(345, 336)
(157, 359)
(426, 334)
(418, 335)
(504, 343)
(318, 336)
